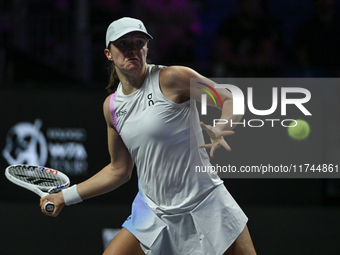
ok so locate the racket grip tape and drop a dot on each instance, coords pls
(49, 207)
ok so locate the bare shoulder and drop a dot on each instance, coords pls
(107, 112)
(174, 75)
(106, 104)
(174, 82)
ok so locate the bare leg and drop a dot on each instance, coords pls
(124, 243)
(243, 245)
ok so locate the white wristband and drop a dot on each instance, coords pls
(71, 195)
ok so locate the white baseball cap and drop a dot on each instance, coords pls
(123, 26)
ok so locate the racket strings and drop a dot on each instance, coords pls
(35, 176)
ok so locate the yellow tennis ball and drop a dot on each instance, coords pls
(299, 129)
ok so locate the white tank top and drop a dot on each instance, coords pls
(163, 138)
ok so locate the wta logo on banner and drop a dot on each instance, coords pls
(239, 103)
(59, 148)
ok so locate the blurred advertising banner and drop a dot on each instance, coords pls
(61, 129)
(59, 148)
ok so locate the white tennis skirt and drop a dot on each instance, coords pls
(209, 229)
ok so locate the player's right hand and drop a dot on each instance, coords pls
(57, 200)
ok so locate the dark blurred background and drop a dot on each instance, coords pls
(53, 75)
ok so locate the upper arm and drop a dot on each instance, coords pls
(120, 157)
(175, 81)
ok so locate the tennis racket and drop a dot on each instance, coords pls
(41, 180)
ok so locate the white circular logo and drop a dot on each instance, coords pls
(26, 144)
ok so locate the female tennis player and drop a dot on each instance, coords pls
(152, 122)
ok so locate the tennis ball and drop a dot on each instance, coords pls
(298, 129)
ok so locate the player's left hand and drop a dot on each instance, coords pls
(216, 138)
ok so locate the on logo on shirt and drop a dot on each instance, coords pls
(150, 99)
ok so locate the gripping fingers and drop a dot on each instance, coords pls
(52, 204)
(49, 207)
(43, 206)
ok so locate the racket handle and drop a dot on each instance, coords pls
(49, 207)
